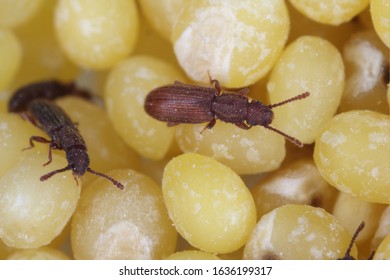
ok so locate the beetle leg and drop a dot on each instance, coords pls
(210, 125)
(216, 84)
(243, 92)
(172, 124)
(53, 146)
(41, 140)
(243, 125)
(36, 139)
(26, 116)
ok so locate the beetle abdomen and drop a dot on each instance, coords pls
(179, 105)
(49, 90)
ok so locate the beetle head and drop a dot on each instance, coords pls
(259, 114)
(78, 159)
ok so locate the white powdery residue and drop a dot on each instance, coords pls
(62, 16)
(3, 125)
(185, 186)
(332, 255)
(196, 132)
(334, 177)
(369, 60)
(343, 188)
(76, 6)
(374, 173)
(211, 29)
(316, 253)
(324, 160)
(4, 94)
(19, 206)
(89, 27)
(245, 142)
(379, 138)
(243, 33)
(291, 66)
(290, 188)
(145, 74)
(333, 139)
(135, 124)
(194, 194)
(65, 205)
(339, 10)
(26, 237)
(319, 212)
(230, 195)
(253, 155)
(372, 146)
(150, 132)
(310, 237)
(358, 170)
(333, 227)
(265, 227)
(216, 204)
(299, 230)
(171, 194)
(127, 80)
(259, 41)
(301, 46)
(303, 84)
(235, 217)
(140, 98)
(271, 86)
(197, 208)
(124, 240)
(221, 150)
(97, 50)
(329, 82)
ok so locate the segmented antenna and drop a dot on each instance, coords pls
(301, 96)
(48, 175)
(288, 137)
(115, 182)
(347, 255)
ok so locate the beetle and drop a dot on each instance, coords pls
(182, 103)
(64, 136)
(48, 89)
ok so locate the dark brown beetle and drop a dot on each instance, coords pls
(49, 90)
(182, 103)
(64, 136)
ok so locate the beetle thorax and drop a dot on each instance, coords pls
(258, 114)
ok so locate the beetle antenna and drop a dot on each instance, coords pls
(115, 182)
(288, 137)
(301, 96)
(355, 235)
(371, 256)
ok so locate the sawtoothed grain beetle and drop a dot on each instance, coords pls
(64, 136)
(181, 103)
